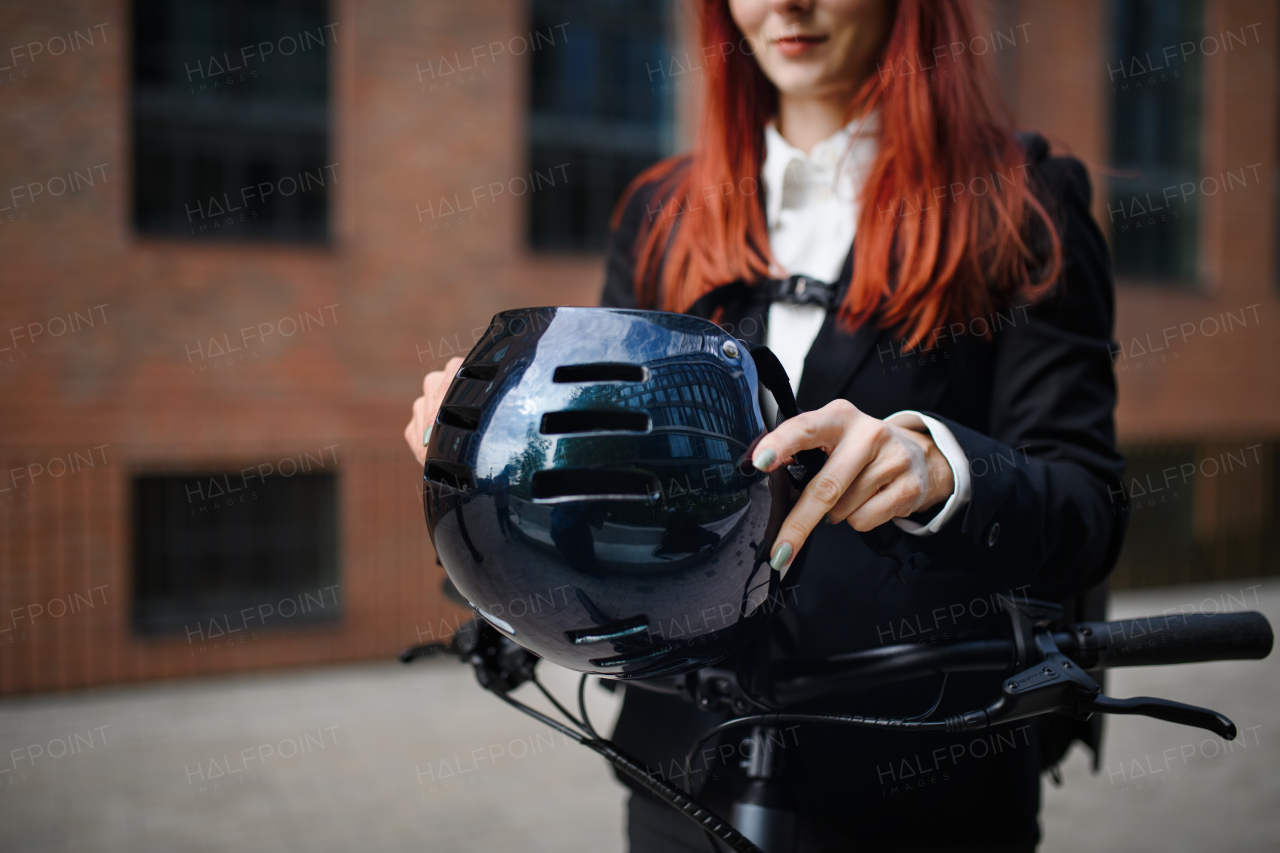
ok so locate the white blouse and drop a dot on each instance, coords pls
(811, 205)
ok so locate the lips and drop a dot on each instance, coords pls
(794, 45)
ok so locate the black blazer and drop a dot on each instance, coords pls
(1033, 409)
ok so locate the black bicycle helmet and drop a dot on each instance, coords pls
(589, 489)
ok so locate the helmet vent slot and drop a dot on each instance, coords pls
(460, 417)
(603, 371)
(558, 485)
(595, 420)
(483, 372)
(451, 474)
(634, 657)
(612, 631)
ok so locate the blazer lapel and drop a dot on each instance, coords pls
(834, 358)
(744, 310)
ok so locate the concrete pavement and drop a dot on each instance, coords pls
(382, 757)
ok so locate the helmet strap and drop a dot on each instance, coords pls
(774, 377)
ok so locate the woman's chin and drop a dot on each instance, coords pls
(800, 81)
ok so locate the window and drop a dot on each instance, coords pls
(1155, 138)
(1199, 513)
(230, 119)
(234, 550)
(1159, 545)
(601, 111)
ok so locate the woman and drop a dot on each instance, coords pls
(955, 367)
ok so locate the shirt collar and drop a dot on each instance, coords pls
(780, 155)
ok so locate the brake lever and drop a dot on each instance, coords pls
(500, 665)
(1057, 684)
(1164, 709)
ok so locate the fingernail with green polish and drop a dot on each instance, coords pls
(781, 556)
(763, 459)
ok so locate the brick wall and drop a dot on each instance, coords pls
(1203, 383)
(1196, 368)
(403, 297)
(140, 385)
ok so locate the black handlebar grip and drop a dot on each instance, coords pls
(1177, 638)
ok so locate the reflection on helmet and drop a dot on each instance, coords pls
(586, 489)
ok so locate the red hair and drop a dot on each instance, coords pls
(926, 253)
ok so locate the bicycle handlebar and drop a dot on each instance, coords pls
(1146, 641)
(864, 670)
(1053, 677)
(1170, 639)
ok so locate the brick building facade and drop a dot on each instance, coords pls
(128, 355)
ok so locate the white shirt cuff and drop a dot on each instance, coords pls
(953, 453)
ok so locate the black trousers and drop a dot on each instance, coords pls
(655, 827)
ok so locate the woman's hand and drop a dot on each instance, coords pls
(875, 472)
(425, 407)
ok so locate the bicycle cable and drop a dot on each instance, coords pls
(711, 824)
(562, 709)
(936, 702)
(582, 706)
(951, 724)
(954, 722)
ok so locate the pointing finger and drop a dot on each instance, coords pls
(847, 461)
(809, 430)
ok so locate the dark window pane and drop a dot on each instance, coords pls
(1155, 138)
(230, 118)
(224, 546)
(1199, 514)
(1158, 546)
(601, 107)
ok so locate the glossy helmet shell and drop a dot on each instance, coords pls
(588, 491)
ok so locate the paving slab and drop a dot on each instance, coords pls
(382, 757)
